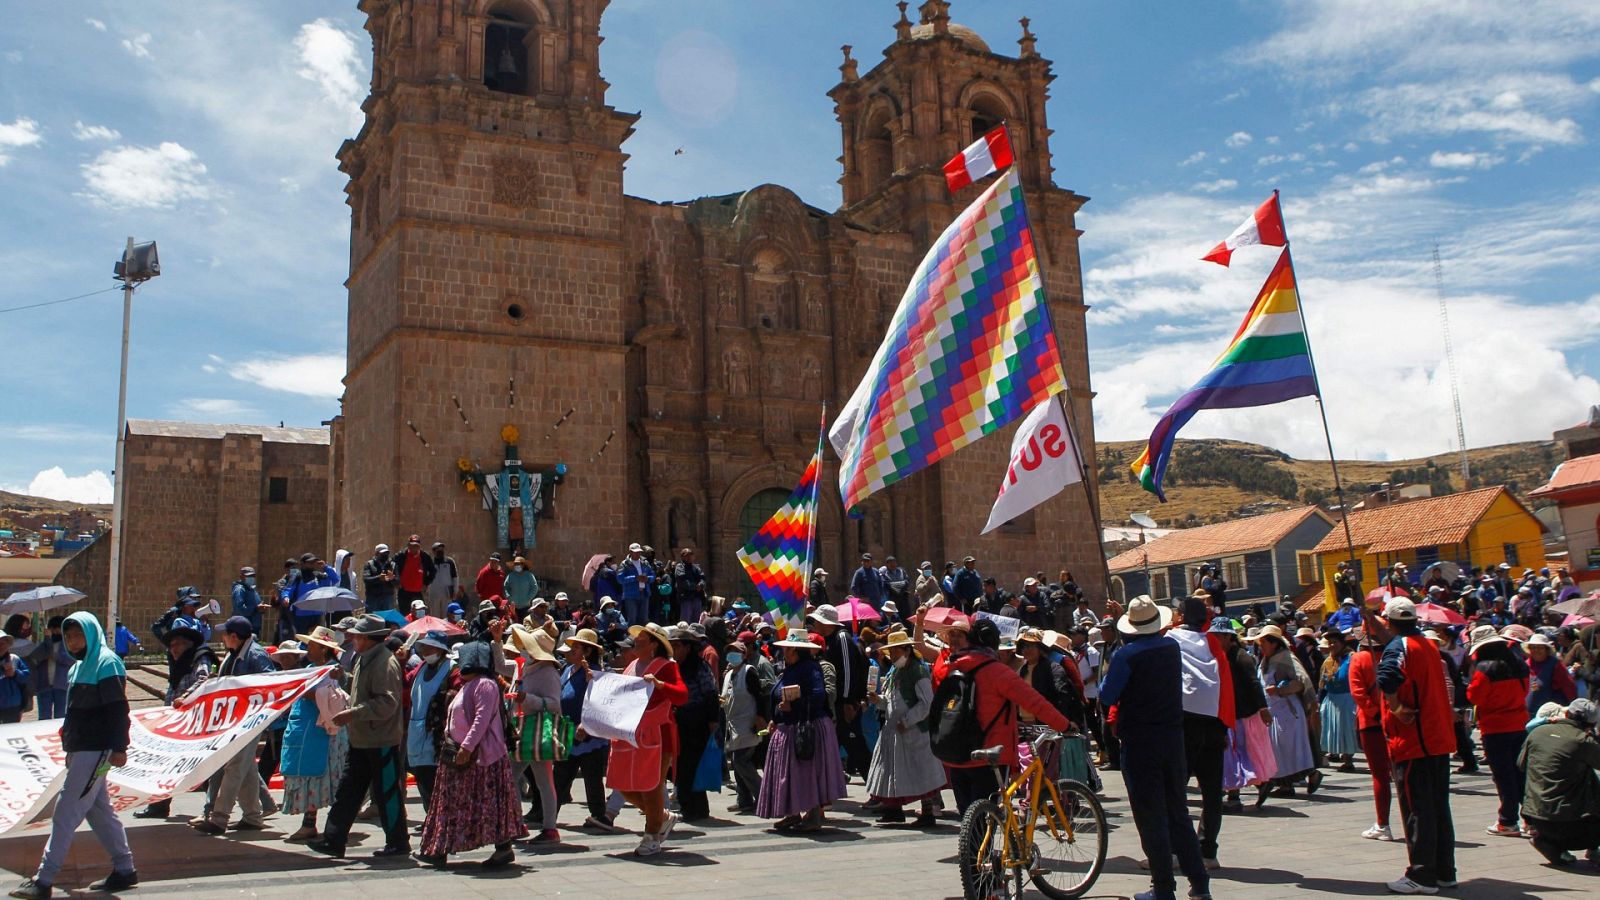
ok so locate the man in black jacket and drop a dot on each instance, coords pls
(850, 666)
(378, 577)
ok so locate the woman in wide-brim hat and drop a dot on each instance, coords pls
(585, 659)
(314, 748)
(904, 769)
(1341, 737)
(1284, 682)
(538, 691)
(794, 789)
(638, 768)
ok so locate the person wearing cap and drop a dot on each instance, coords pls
(491, 579)
(637, 576)
(867, 582)
(585, 659)
(1346, 584)
(238, 781)
(1561, 804)
(429, 687)
(475, 797)
(697, 718)
(850, 668)
(1417, 723)
(314, 748)
(413, 572)
(455, 614)
(966, 586)
(378, 580)
(639, 769)
(538, 691)
(1497, 690)
(246, 599)
(94, 739)
(688, 587)
(445, 588)
(1347, 617)
(928, 588)
(904, 769)
(1289, 696)
(1500, 579)
(1548, 680)
(376, 727)
(1145, 686)
(803, 772)
(745, 710)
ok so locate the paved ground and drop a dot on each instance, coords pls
(1293, 848)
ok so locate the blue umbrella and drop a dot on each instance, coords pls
(393, 617)
(40, 599)
(328, 600)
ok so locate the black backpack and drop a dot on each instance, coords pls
(162, 627)
(953, 727)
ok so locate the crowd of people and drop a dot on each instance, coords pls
(484, 721)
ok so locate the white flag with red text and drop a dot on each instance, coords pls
(1044, 459)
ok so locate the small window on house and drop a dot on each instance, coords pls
(1426, 556)
(1308, 567)
(277, 489)
(1233, 573)
(505, 55)
(1158, 585)
(1511, 554)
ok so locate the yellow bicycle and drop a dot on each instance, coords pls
(1033, 828)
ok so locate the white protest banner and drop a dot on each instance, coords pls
(1044, 459)
(170, 750)
(1009, 627)
(613, 705)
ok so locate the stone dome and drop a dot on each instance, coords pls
(961, 33)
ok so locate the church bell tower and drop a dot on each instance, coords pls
(486, 276)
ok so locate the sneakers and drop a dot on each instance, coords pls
(666, 829)
(116, 881)
(1404, 885)
(604, 825)
(648, 846)
(1211, 863)
(30, 889)
(1378, 833)
(1500, 829)
(1447, 883)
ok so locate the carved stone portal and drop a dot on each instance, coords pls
(516, 182)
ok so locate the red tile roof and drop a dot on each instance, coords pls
(1211, 541)
(1581, 472)
(1415, 523)
(1311, 598)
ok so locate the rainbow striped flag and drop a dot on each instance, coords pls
(778, 556)
(1268, 361)
(969, 350)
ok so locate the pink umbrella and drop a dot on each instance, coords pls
(1435, 614)
(1378, 595)
(1576, 620)
(432, 623)
(855, 609)
(943, 617)
(591, 567)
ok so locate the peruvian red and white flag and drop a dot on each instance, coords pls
(987, 155)
(1264, 227)
(1044, 459)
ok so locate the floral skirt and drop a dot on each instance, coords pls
(309, 793)
(472, 807)
(791, 785)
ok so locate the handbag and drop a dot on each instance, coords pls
(546, 737)
(708, 774)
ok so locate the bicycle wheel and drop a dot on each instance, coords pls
(1069, 841)
(981, 849)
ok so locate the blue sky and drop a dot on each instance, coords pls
(211, 127)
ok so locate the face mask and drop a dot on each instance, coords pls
(735, 659)
(250, 581)
(521, 569)
(900, 662)
(928, 572)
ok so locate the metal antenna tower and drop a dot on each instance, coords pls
(1450, 364)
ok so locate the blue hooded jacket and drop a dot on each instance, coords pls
(97, 701)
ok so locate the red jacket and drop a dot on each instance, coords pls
(1000, 692)
(1500, 701)
(491, 582)
(1364, 688)
(1414, 663)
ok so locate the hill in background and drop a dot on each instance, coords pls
(1217, 480)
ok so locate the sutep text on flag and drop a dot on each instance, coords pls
(1044, 459)
(778, 556)
(969, 350)
(1265, 226)
(986, 155)
(1267, 362)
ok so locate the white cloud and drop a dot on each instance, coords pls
(330, 58)
(313, 375)
(1217, 186)
(146, 177)
(212, 409)
(23, 132)
(96, 24)
(1512, 108)
(1195, 157)
(56, 484)
(1238, 139)
(1463, 160)
(138, 45)
(94, 132)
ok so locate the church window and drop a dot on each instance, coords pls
(988, 113)
(877, 150)
(505, 54)
(277, 489)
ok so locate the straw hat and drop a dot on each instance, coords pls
(323, 635)
(1056, 640)
(1267, 631)
(797, 639)
(1144, 616)
(585, 636)
(896, 639)
(654, 630)
(1030, 636)
(536, 644)
(1539, 640)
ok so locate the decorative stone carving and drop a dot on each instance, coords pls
(516, 182)
(810, 379)
(582, 166)
(448, 147)
(736, 372)
(681, 515)
(727, 303)
(816, 310)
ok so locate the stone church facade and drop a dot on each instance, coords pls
(675, 356)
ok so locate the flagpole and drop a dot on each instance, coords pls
(1067, 411)
(1322, 409)
(816, 506)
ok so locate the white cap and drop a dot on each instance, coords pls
(381, 548)
(1400, 608)
(419, 604)
(635, 548)
(562, 595)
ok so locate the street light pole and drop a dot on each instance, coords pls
(119, 484)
